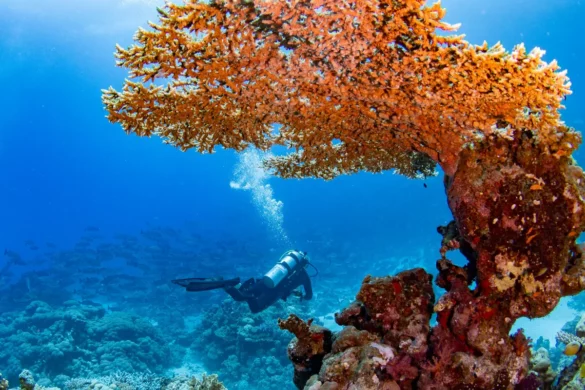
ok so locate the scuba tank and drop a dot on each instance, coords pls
(288, 263)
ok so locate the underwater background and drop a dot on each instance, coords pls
(95, 223)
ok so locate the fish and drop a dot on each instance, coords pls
(573, 348)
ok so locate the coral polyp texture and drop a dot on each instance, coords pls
(378, 85)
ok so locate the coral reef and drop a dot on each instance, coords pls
(142, 381)
(383, 345)
(3, 383)
(566, 371)
(541, 366)
(246, 350)
(572, 377)
(79, 339)
(118, 379)
(516, 222)
(370, 85)
(519, 211)
(207, 382)
(309, 347)
(26, 380)
(388, 343)
(124, 381)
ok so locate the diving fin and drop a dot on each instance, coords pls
(205, 284)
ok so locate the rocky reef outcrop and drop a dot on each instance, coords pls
(517, 207)
(384, 343)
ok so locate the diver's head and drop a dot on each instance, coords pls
(289, 262)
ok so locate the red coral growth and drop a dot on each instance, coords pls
(398, 307)
(402, 370)
(397, 287)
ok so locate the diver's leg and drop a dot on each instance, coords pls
(262, 300)
(241, 293)
(254, 307)
(235, 294)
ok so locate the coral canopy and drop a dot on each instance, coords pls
(356, 85)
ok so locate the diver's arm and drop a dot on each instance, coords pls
(306, 282)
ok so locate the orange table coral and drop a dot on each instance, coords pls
(356, 85)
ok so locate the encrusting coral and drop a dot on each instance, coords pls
(370, 85)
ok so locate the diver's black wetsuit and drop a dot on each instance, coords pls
(259, 296)
(280, 282)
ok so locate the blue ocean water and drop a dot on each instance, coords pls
(93, 215)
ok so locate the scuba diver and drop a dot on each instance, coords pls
(278, 283)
